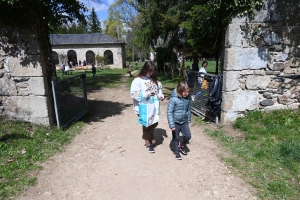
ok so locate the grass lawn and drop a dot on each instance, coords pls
(267, 152)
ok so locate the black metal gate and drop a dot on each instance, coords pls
(70, 99)
(200, 96)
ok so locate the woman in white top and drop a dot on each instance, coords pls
(146, 84)
(202, 71)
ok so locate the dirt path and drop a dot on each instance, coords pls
(108, 161)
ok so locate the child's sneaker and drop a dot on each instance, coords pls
(151, 149)
(177, 155)
(182, 148)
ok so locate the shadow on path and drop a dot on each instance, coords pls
(159, 135)
(99, 110)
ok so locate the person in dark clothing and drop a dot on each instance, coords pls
(195, 65)
(93, 70)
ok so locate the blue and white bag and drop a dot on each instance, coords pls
(148, 111)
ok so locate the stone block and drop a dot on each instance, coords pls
(294, 62)
(272, 38)
(37, 86)
(247, 72)
(276, 107)
(281, 57)
(46, 121)
(7, 87)
(233, 36)
(288, 70)
(257, 82)
(25, 66)
(294, 106)
(272, 73)
(259, 72)
(229, 117)
(278, 66)
(230, 81)
(239, 101)
(26, 107)
(266, 102)
(245, 58)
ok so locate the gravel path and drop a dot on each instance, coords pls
(109, 161)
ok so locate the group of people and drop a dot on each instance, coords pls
(145, 85)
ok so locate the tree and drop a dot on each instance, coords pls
(204, 23)
(70, 28)
(94, 25)
(101, 60)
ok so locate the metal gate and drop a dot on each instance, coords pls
(200, 96)
(70, 99)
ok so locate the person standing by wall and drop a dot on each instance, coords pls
(179, 117)
(146, 85)
(129, 69)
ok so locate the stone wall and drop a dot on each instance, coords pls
(262, 61)
(24, 93)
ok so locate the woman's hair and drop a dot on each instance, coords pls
(204, 62)
(181, 87)
(149, 66)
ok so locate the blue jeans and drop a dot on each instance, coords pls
(185, 131)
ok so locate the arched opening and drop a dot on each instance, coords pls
(110, 57)
(72, 56)
(55, 57)
(90, 57)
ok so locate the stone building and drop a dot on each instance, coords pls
(85, 47)
(262, 61)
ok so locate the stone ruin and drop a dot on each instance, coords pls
(262, 61)
(24, 93)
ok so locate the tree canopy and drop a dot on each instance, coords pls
(189, 27)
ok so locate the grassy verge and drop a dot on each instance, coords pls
(22, 147)
(267, 153)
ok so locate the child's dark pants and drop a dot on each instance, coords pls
(185, 131)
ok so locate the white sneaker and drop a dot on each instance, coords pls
(193, 97)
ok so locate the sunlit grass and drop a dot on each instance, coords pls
(268, 153)
(24, 145)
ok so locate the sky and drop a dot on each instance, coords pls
(101, 9)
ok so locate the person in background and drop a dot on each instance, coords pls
(179, 117)
(146, 85)
(129, 69)
(195, 65)
(202, 72)
(93, 70)
(63, 68)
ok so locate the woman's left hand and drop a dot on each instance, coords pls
(162, 98)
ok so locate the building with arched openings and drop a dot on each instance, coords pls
(83, 48)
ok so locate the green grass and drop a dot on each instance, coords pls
(22, 147)
(109, 78)
(268, 152)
